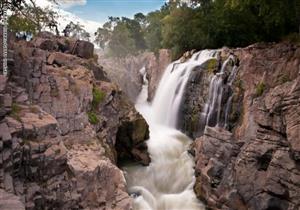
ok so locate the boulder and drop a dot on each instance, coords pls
(130, 141)
(84, 49)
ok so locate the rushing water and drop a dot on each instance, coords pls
(167, 183)
(212, 114)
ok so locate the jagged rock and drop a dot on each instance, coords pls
(45, 43)
(256, 167)
(51, 155)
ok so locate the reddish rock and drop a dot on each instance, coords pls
(255, 167)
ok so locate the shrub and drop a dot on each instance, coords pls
(93, 118)
(98, 97)
(260, 89)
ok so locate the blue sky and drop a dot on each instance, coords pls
(99, 10)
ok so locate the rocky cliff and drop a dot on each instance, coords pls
(252, 163)
(255, 165)
(63, 128)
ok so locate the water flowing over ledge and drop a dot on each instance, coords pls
(167, 183)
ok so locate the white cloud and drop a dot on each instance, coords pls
(71, 3)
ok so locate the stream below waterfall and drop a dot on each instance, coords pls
(167, 183)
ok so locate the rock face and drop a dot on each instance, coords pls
(59, 130)
(126, 71)
(256, 166)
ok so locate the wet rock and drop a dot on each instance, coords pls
(258, 160)
(155, 69)
(130, 141)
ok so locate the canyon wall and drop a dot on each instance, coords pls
(255, 165)
(63, 128)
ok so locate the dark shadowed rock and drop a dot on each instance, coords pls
(130, 140)
(84, 49)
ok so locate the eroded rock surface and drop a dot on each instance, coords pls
(256, 166)
(58, 129)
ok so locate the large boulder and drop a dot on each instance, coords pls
(130, 142)
(84, 49)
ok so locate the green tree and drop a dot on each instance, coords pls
(18, 23)
(75, 30)
(121, 43)
(34, 17)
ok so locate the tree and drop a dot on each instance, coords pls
(27, 11)
(121, 43)
(75, 30)
(153, 36)
(102, 37)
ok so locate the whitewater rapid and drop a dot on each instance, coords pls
(167, 183)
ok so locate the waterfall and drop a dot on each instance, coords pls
(167, 183)
(214, 114)
(171, 88)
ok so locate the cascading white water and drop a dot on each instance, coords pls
(167, 183)
(211, 115)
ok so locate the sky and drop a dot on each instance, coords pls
(99, 10)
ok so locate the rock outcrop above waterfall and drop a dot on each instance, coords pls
(126, 71)
(60, 120)
(256, 165)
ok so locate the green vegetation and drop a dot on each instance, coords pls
(98, 97)
(202, 24)
(260, 89)
(15, 112)
(211, 65)
(93, 118)
(27, 16)
(75, 30)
